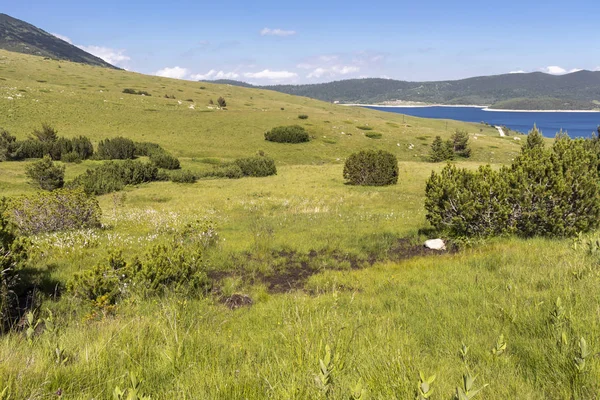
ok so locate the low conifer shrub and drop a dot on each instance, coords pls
(287, 134)
(371, 168)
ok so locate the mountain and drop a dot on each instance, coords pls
(21, 37)
(534, 90)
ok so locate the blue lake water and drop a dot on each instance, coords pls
(576, 124)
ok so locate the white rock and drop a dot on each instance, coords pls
(517, 138)
(435, 244)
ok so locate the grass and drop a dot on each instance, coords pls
(386, 311)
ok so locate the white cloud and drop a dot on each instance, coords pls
(175, 72)
(333, 71)
(276, 32)
(597, 69)
(62, 37)
(112, 56)
(214, 74)
(272, 75)
(556, 70)
(517, 72)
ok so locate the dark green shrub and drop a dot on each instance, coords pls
(6, 144)
(46, 134)
(146, 149)
(371, 168)
(468, 203)
(302, 116)
(287, 134)
(71, 157)
(103, 281)
(83, 147)
(119, 148)
(45, 175)
(13, 254)
(460, 144)
(364, 128)
(138, 92)
(165, 161)
(55, 211)
(256, 166)
(441, 150)
(23, 149)
(114, 176)
(553, 192)
(183, 177)
(221, 102)
(373, 135)
(534, 139)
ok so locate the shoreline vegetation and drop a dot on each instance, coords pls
(484, 108)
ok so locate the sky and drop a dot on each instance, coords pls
(291, 42)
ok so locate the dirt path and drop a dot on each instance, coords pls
(500, 130)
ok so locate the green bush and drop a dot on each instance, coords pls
(364, 128)
(371, 168)
(146, 149)
(173, 266)
(13, 254)
(71, 157)
(45, 175)
(441, 150)
(46, 134)
(256, 166)
(460, 144)
(59, 210)
(119, 148)
(138, 92)
(56, 149)
(545, 192)
(221, 102)
(114, 176)
(302, 116)
(165, 161)
(183, 177)
(229, 170)
(6, 144)
(287, 134)
(373, 135)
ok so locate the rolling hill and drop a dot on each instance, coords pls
(534, 90)
(21, 37)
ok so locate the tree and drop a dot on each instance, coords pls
(441, 150)
(371, 168)
(6, 141)
(45, 175)
(534, 139)
(221, 102)
(460, 143)
(47, 134)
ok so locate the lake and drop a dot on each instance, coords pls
(577, 124)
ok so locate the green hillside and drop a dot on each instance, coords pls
(82, 100)
(21, 37)
(578, 89)
(291, 286)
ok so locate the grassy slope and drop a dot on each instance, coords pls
(388, 322)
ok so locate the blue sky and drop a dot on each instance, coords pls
(265, 42)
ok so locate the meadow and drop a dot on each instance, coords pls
(301, 264)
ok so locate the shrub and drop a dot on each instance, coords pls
(46, 134)
(138, 92)
(441, 150)
(302, 116)
(71, 157)
(29, 148)
(373, 135)
(56, 149)
(554, 192)
(534, 139)
(45, 175)
(165, 266)
(221, 102)
(83, 147)
(114, 176)
(119, 148)
(287, 134)
(147, 148)
(371, 168)
(6, 144)
(229, 170)
(460, 144)
(165, 161)
(55, 211)
(256, 166)
(13, 254)
(183, 177)
(364, 128)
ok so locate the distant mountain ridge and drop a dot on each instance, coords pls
(536, 90)
(22, 37)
